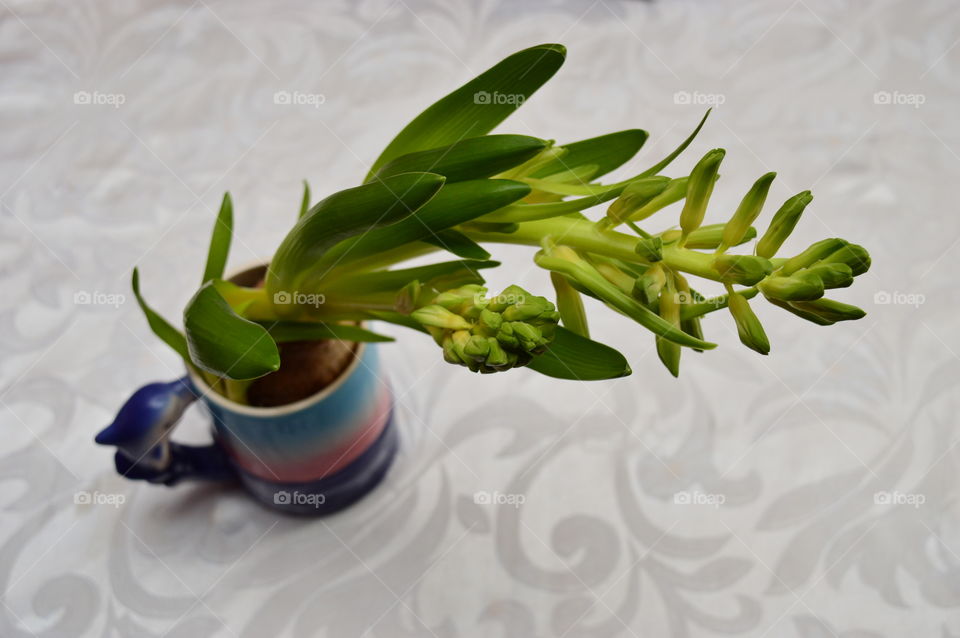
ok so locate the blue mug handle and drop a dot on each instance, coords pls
(141, 433)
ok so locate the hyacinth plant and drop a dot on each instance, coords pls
(445, 185)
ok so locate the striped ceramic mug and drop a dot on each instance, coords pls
(311, 457)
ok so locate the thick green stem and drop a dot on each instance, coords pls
(584, 235)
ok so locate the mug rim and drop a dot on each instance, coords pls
(208, 393)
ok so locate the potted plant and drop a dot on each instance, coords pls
(284, 357)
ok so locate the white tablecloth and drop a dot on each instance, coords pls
(822, 480)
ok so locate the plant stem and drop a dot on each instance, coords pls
(584, 235)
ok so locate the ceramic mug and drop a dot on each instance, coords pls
(311, 457)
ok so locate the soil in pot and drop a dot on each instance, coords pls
(306, 367)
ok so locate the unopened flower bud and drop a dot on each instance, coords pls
(749, 327)
(830, 310)
(783, 224)
(820, 250)
(832, 275)
(852, 255)
(748, 210)
(647, 287)
(650, 249)
(742, 269)
(797, 287)
(636, 195)
(440, 317)
(699, 189)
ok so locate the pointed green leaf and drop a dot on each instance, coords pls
(571, 356)
(662, 164)
(160, 326)
(607, 152)
(454, 204)
(472, 158)
(305, 202)
(479, 105)
(223, 343)
(455, 242)
(350, 212)
(220, 241)
(393, 280)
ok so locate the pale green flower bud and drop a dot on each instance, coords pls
(797, 287)
(699, 189)
(650, 249)
(440, 317)
(820, 250)
(832, 275)
(635, 196)
(736, 229)
(783, 224)
(647, 287)
(742, 269)
(668, 351)
(852, 255)
(749, 327)
(830, 310)
(492, 334)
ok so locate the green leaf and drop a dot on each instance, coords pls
(393, 280)
(223, 343)
(454, 204)
(397, 318)
(607, 152)
(472, 158)
(284, 331)
(571, 356)
(305, 202)
(455, 242)
(160, 326)
(479, 105)
(220, 241)
(346, 214)
(662, 164)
